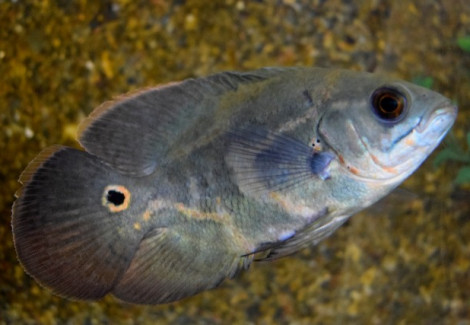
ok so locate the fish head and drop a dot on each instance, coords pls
(382, 130)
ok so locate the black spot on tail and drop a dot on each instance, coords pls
(115, 197)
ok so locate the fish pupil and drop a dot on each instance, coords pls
(115, 197)
(389, 104)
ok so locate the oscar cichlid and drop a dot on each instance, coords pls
(184, 185)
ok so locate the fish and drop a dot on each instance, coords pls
(184, 185)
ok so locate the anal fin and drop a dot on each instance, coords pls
(171, 264)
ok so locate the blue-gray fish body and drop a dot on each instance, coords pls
(182, 186)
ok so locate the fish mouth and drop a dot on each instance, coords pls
(440, 119)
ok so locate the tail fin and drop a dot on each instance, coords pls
(72, 223)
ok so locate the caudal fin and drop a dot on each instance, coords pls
(72, 223)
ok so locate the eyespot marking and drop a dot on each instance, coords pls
(116, 198)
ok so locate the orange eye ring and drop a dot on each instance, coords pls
(388, 104)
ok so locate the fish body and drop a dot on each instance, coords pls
(184, 185)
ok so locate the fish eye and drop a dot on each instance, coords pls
(388, 104)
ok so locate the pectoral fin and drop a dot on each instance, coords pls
(268, 161)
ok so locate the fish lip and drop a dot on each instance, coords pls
(446, 110)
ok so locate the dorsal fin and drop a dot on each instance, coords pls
(134, 132)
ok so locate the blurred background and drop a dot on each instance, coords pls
(404, 261)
